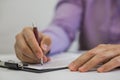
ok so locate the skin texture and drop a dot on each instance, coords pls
(106, 54)
(27, 48)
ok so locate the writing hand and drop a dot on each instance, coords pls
(27, 48)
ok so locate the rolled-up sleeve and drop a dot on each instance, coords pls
(65, 23)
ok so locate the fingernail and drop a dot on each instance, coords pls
(100, 69)
(45, 47)
(72, 67)
(38, 55)
(45, 59)
(81, 69)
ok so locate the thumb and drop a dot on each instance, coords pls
(45, 43)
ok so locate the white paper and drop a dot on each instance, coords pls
(57, 61)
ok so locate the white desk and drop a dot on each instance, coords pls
(6, 74)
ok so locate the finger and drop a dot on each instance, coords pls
(112, 64)
(32, 42)
(25, 58)
(45, 43)
(23, 47)
(46, 59)
(80, 61)
(99, 58)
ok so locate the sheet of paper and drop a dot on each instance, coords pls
(57, 61)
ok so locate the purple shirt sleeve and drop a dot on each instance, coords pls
(64, 24)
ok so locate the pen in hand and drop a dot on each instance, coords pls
(38, 39)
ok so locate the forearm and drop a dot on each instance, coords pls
(64, 26)
(60, 40)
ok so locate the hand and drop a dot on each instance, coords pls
(107, 54)
(27, 48)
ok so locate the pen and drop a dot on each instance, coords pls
(38, 39)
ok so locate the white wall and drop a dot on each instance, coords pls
(15, 14)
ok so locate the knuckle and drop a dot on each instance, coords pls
(91, 53)
(101, 56)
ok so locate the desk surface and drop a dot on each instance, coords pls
(6, 74)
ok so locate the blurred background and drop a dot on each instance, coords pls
(15, 14)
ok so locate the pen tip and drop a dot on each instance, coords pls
(41, 61)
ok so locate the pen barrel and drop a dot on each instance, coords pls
(36, 34)
(38, 40)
